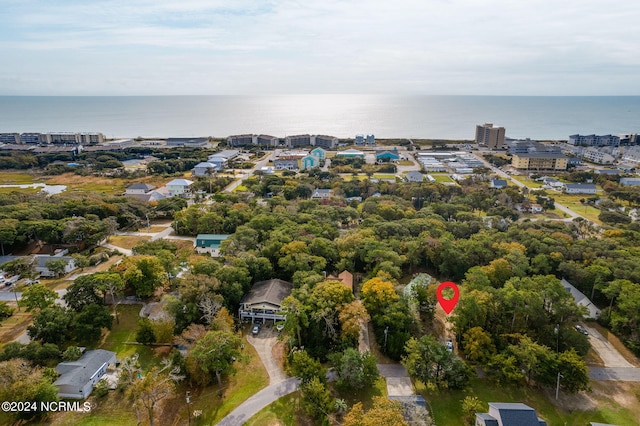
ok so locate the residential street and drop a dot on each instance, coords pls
(619, 374)
(257, 402)
(610, 355)
(245, 175)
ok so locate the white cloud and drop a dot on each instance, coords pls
(249, 46)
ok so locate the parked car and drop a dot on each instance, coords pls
(12, 280)
(255, 330)
(449, 344)
(30, 282)
(582, 330)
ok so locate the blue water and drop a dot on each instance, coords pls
(446, 117)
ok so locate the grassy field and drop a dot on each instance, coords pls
(153, 229)
(77, 183)
(527, 181)
(283, 412)
(11, 189)
(15, 325)
(573, 202)
(127, 241)
(248, 380)
(446, 405)
(17, 178)
(441, 177)
(125, 331)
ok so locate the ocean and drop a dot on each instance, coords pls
(343, 116)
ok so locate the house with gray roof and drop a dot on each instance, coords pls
(205, 168)
(581, 299)
(414, 176)
(630, 181)
(77, 378)
(498, 183)
(139, 188)
(322, 194)
(580, 188)
(509, 414)
(264, 300)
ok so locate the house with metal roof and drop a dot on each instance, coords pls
(264, 301)
(352, 153)
(387, 155)
(77, 378)
(580, 188)
(630, 181)
(509, 414)
(187, 142)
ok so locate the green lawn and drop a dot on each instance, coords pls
(384, 176)
(15, 178)
(125, 331)
(446, 405)
(527, 181)
(441, 177)
(573, 202)
(281, 412)
(248, 380)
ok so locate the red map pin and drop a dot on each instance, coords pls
(448, 304)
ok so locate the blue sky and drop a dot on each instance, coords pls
(191, 47)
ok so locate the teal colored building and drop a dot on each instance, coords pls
(319, 153)
(387, 155)
(210, 240)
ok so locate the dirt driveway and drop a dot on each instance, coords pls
(610, 355)
(264, 343)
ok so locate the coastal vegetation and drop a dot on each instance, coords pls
(515, 322)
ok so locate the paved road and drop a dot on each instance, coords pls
(258, 401)
(10, 296)
(522, 185)
(124, 251)
(620, 374)
(609, 354)
(397, 378)
(233, 185)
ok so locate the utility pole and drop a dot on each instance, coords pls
(188, 398)
(558, 385)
